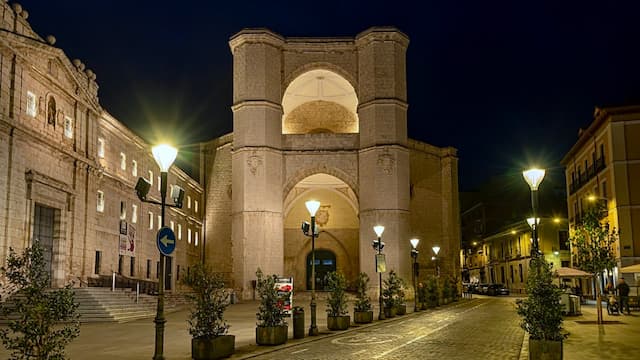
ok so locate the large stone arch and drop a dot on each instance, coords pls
(350, 180)
(319, 65)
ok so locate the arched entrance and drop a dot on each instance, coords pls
(325, 263)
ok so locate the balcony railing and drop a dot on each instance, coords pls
(583, 178)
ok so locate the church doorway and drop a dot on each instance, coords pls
(44, 220)
(325, 263)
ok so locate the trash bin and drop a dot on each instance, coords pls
(298, 322)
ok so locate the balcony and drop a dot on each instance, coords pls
(583, 178)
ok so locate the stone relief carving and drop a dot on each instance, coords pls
(254, 161)
(386, 162)
(322, 216)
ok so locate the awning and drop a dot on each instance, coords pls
(566, 272)
(631, 269)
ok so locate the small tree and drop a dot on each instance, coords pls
(541, 311)
(270, 312)
(594, 248)
(363, 302)
(46, 320)
(337, 301)
(431, 291)
(447, 289)
(392, 292)
(211, 299)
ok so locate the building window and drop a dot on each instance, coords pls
(101, 148)
(602, 151)
(134, 168)
(188, 235)
(120, 264)
(132, 267)
(134, 214)
(32, 109)
(98, 263)
(150, 177)
(123, 161)
(157, 269)
(179, 232)
(520, 272)
(511, 269)
(123, 210)
(100, 202)
(159, 221)
(563, 239)
(148, 268)
(196, 239)
(604, 193)
(172, 225)
(68, 127)
(159, 181)
(188, 202)
(150, 220)
(177, 272)
(195, 205)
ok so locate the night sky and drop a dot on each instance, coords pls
(507, 83)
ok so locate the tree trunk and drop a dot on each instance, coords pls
(598, 300)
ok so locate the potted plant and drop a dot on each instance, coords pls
(271, 328)
(401, 305)
(337, 315)
(362, 313)
(431, 291)
(446, 291)
(206, 323)
(541, 313)
(422, 296)
(390, 294)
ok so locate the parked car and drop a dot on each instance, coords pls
(482, 289)
(497, 289)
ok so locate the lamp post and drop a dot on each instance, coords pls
(378, 245)
(414, 255)
(164, 156)
(312, 207)
(534, 177)
(436, 250)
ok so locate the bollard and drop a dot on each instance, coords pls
(113, 282)
(137, 291)
(298, 322)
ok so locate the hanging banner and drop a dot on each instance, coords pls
(381, 264)
(127, 244)
(285, 293)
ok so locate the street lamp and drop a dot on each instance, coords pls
(312, 207)
(534, 177)
(378, 245)
(414, 255)
(164, 155)
(436, 250)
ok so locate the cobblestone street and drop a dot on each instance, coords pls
(477, 329)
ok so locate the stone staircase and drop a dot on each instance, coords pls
(99, 304)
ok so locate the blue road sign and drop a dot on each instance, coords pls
(166, 241)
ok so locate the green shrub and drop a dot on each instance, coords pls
(337, 301)
(46, 320)
(270, 311)
(210, 299)
(363, 302)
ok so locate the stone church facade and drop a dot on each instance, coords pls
(324, 119)
(314, 118)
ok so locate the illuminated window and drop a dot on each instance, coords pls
(195, 205)
(123, 161)
(134, 168)
(68, 127)
(100, 202)
(134, 214)
(188, 235)
(101, 148)
(150, 220)
(179, 232)
(172, 224)
(159, 183)
(150, 177)
(196, 239)
(188, 202)
(123, 210)
(32, 109)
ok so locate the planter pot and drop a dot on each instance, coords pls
(390, 312)
(210, 349)
(362, 317)
(338, 322)
(401, 309)
(271, 335)
(545, 350)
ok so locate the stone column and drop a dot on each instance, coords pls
(383, 156)
(257, 226)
